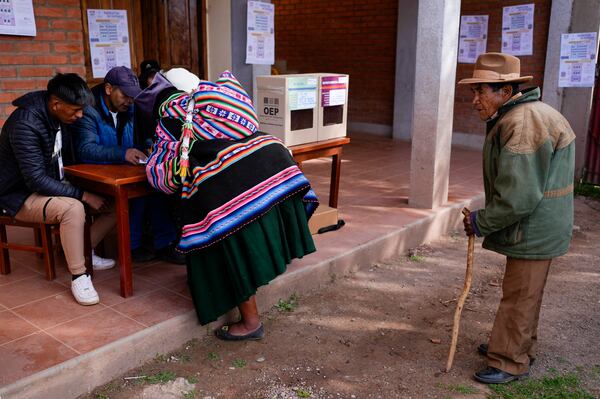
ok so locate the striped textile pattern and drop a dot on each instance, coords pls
(236, 173)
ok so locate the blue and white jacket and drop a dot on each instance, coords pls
(97, 140)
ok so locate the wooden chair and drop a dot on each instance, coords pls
(43, 245)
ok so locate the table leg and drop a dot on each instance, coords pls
(336, 164)
(124, 244)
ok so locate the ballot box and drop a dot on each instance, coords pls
(287, 107)
(333, 105)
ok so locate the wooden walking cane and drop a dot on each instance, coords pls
(463, 295)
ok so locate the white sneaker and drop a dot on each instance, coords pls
(83, 290)
(99, 263)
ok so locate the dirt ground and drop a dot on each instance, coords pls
(384, 331)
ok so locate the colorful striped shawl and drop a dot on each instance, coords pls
(236, 175)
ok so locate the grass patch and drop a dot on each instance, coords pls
(587, 190)
(189, 395)
(565, 386)
(459, 388)
(238, 363)
(160, 378)
(288, 305)
(213, 356)
(303, 393)
(107, 390)
(416, 258)
(192, 379)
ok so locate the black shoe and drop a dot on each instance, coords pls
(483, 350)
(142, 254)
(223, 333)
(492, 375)
(171, 255)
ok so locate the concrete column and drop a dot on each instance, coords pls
(226, 25)
(406, 45)
(560, 20)
(577, 101)
(435, 73)
(569, 16)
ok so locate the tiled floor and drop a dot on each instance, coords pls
(41, 325)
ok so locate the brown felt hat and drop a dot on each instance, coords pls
(496, 68)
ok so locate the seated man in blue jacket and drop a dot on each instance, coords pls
(105, 134)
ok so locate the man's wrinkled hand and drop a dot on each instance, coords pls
(469, 230)
(94, 201)
(134, 156)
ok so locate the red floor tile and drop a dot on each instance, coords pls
(109, 290)
(18, 272)
(155, 307)
(28, 290)
(54, 310)
(31, 354)
(162, 273)
(95, 330)
(13, 327)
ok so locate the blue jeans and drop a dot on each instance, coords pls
(161, 223)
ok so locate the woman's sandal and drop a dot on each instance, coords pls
(223, 333)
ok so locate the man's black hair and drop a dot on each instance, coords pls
(70, 88)
(497, 86)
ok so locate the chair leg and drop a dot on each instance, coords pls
(4, 258)
(37, 238)
(87, 245)
(46, 236)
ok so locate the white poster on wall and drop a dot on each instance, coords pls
(109, 40)
(577, 59)
(260, 38)
(16, 18)
(517, 29)
(472, 37)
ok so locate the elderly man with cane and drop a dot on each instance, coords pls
(528, 167)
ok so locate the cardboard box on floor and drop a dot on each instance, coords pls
(323, 216)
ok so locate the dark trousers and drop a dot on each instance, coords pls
(161, 222)
(514, 334)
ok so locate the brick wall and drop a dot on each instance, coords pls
(344, 36)
(26, 63)
(465, 119)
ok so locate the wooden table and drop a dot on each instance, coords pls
(326, 148)
(121, 182)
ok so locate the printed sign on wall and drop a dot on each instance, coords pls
(16, 18)
(577, 59)
(517, 30)
(472, 38)
(109, 40)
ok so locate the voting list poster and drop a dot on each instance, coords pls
(472, 38)
(517, 30)
(577, 59)
(260, 38)
(16, 18)
(109, 40)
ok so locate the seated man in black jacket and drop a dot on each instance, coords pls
(32, 185)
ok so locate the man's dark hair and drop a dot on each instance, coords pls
(70, 88)
(497, 86)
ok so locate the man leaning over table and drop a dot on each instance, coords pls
(32, 185)
(106, 135)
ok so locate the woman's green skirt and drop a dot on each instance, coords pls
(229, 272)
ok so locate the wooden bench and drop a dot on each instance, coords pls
(43, 245)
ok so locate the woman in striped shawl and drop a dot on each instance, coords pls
(244, 203)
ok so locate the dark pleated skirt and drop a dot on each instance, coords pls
(229, 272)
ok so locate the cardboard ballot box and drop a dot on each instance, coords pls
(333, 105)
(287, 107)
(324, 216)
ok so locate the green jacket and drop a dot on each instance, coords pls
(528, 167)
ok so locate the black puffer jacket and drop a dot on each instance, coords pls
(26, 147)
